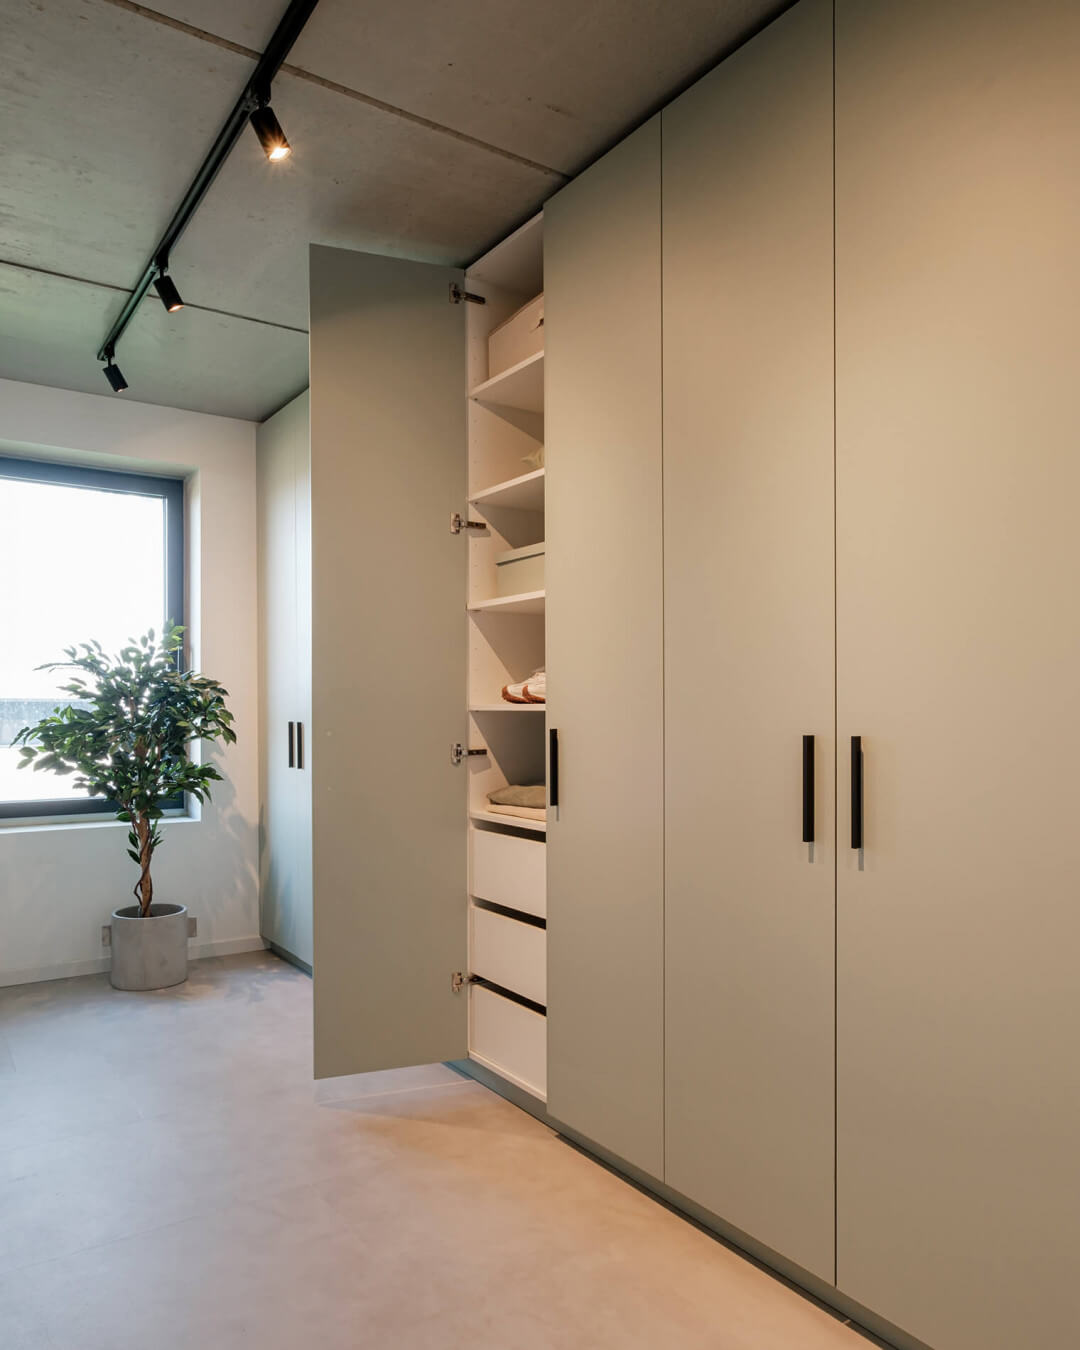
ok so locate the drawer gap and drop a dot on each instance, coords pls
(510, 995)
(519, 915)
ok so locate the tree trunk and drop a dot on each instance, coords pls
(144, 887)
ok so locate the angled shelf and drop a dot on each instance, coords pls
(529, 602)
(514, 822)
(522, 386)
(524, 493)
(517, 264)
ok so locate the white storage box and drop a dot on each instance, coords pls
(518, 337)
(511, 953)
(509, 1038)
(519, 570)
(508, 870)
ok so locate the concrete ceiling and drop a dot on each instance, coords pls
(420, 129)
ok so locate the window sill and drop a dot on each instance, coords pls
(28, 824)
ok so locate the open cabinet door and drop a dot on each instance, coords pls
(388, 662)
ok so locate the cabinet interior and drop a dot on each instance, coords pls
(505, 429)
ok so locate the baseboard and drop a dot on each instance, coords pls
(197, 951)
(288, 956)
(68, 970)
(874, 1329)
(480, 1073)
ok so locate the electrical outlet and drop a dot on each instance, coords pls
(192, 927)
(106, 934)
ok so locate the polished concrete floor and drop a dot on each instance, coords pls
(171, 1179)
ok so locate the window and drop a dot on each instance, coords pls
(85, 555)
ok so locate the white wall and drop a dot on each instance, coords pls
(59, 882)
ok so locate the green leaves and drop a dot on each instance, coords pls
(130, 737)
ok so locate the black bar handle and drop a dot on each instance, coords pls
(856, 792)
(292, 751)
(299, 745)
(808, 789)
(553, 767)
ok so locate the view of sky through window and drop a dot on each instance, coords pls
(77, 564)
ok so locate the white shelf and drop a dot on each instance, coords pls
(524, 493)
(522, 386)
(529, 602)
(516, 822)
(508, 707)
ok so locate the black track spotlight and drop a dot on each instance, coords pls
(271, 137)
(115, 377)
(252, 105)
(167, 292)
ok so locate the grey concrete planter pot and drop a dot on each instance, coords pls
(150, 953)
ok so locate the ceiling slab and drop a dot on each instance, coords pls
(109, 107)
(50, 329)
(91, 203)
(555, 82)
(376, 183)
(106, 117)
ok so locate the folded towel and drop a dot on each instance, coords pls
(514, 795)
(522, 812)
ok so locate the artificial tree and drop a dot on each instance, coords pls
(129, 735)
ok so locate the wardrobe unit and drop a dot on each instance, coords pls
(748, 629)
(430, 938)
(794, 944)
(605, 641)
(958, 643)
(283, 473)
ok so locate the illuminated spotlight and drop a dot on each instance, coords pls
(271, 137)
(167, 292)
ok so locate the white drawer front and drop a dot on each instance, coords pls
(509, 952)
(507, 870)
(509, 1038)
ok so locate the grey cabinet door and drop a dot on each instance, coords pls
(749, 624)
(604, 651)
(958, 473)
(388, 661)
(285, 899)
(302, 919)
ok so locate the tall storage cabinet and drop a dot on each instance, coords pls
(430, 905)
(284, 546)
(605, 652)
(806, 398)
(748, 625)
(958, 475)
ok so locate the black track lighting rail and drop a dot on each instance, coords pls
(256, 95)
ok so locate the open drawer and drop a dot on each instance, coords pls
(508, 952)
(508, 1038)
(506, 869)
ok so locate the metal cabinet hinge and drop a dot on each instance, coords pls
(458, 752)
(459, 523)
(457, 295)
(458, 981)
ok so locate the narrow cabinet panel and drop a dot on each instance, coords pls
(749, 633)
(604, 649)
(958, 476)
(302, 871)
(388, 661)
(284, 826)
